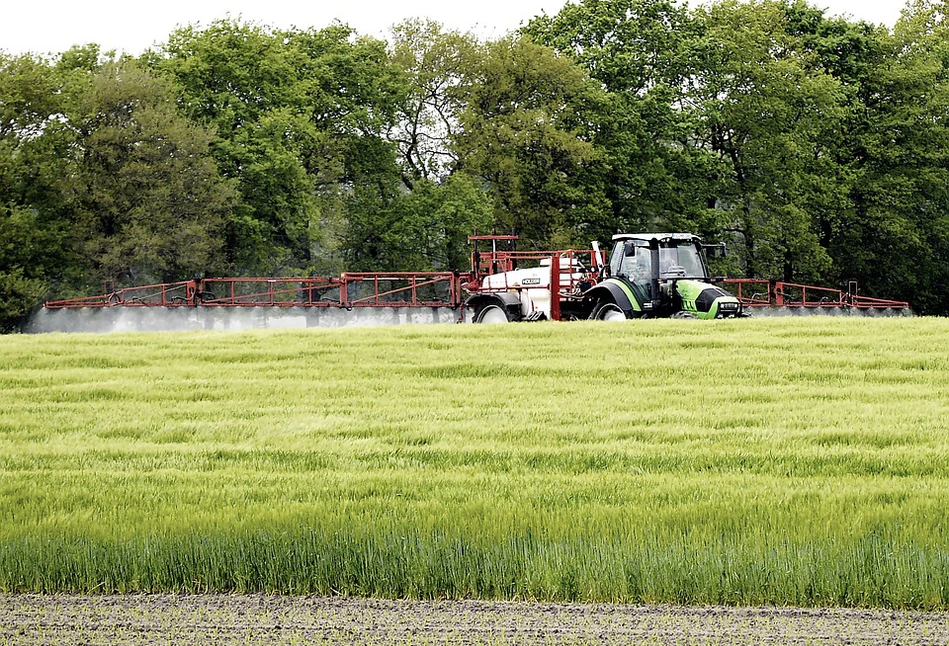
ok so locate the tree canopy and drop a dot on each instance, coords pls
(816, 146)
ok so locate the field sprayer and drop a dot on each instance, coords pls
(647, 275)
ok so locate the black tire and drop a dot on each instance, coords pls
(491, 313)
(682, 314)
(608, 311)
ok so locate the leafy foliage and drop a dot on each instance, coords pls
(147, 201)
(523, 135)
(437, 65)
(21, 282)
(299, 116)
(656, 172)
(815, 145)
(423, 230)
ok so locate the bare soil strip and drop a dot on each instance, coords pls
(259, 619)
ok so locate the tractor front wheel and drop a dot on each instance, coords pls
(607, 311)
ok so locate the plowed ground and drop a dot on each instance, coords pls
(256, 619)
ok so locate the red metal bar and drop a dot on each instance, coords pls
(759, 298)
(555, 287)
(784, 294)
(866, 302)
(795, 295)
(145, 296)
(409, 284)
(273, 292)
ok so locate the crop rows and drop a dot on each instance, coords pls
(801, 462)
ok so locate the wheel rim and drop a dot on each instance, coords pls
(491, 315)
(611, 312)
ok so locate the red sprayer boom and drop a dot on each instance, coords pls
(647, 275)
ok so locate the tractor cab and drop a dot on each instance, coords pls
(677, 255)
(667, 274)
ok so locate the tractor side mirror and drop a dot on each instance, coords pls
(629, 249)
(715, 250)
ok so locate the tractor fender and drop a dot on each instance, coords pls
(509, 301)
(612, 290)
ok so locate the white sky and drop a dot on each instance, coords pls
(54, 26)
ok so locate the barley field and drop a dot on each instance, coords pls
(798, 462)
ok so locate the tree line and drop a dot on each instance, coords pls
(815, 146)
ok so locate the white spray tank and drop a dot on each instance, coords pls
(532, 284)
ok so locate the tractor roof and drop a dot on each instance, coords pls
(659, 236)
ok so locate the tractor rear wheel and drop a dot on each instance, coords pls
(491, 314)
(607, 311)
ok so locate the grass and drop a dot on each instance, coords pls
(780, 461)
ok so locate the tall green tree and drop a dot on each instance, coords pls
(425, 229)
(655, 173)
(33, 244)
(147, 201)
(438, 66)
(895, 239)
(525, 135)
(769, 113)
(23, 281)
(300, 116)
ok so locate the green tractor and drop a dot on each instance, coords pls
(659, 275)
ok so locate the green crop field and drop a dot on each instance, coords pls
(778, 461)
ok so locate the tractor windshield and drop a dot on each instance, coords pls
(677, 259)
(680, 259)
